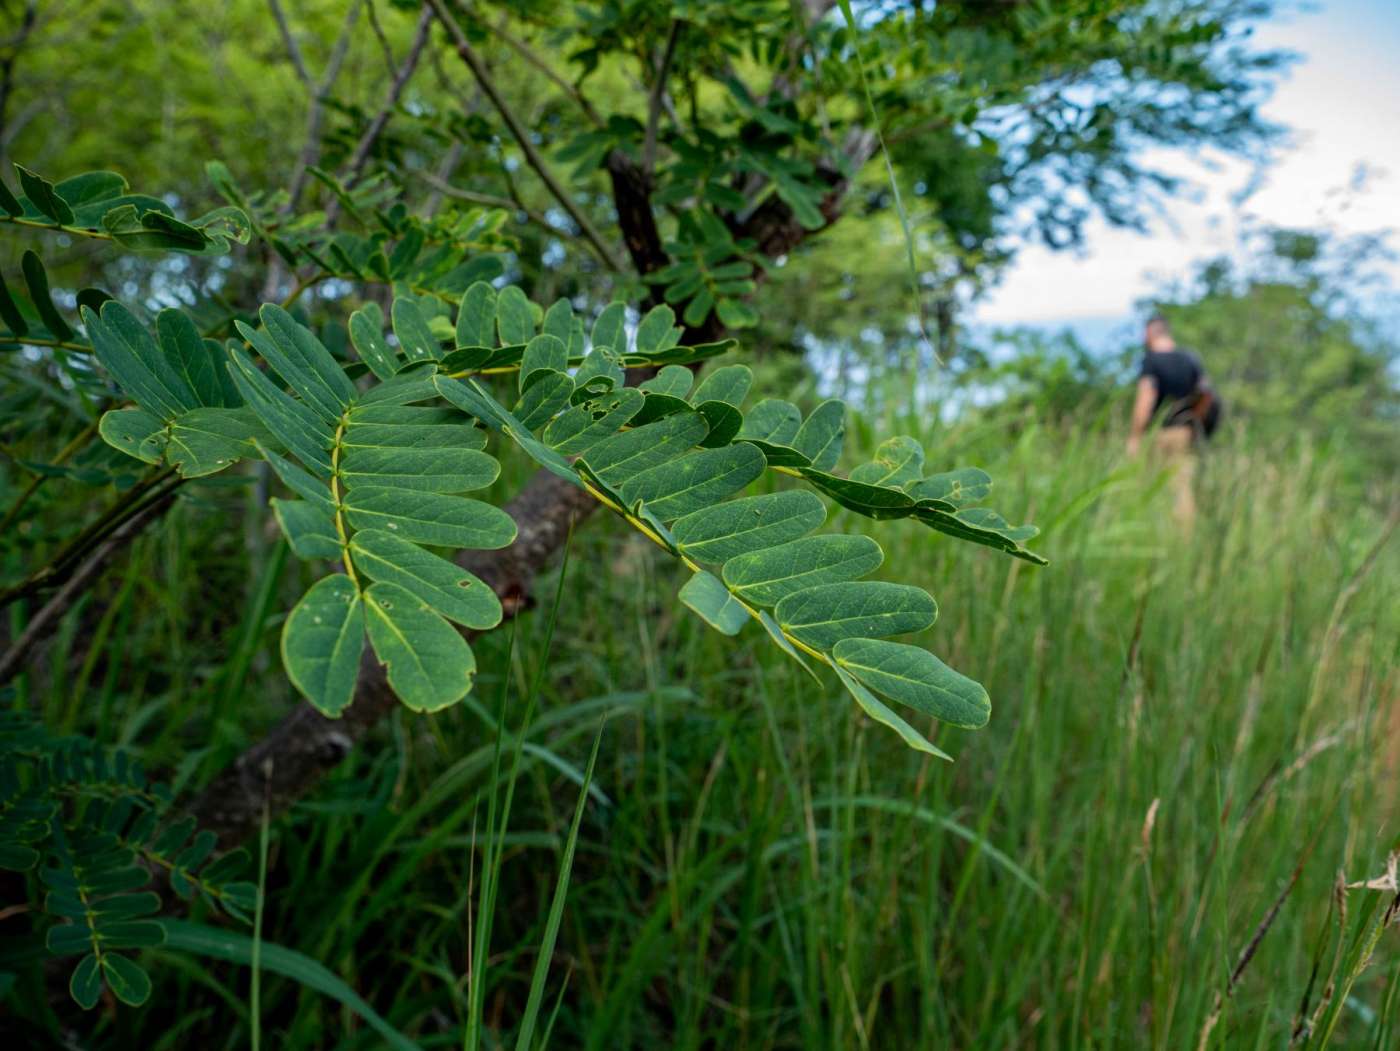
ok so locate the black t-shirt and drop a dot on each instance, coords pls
(1176, 373)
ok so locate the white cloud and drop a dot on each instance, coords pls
(1342, 102)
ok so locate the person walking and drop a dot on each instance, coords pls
(1174, 377)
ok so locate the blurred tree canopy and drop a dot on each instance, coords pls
(703, 143)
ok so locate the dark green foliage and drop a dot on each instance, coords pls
(98, 204)
(378, 492)
(96, 832)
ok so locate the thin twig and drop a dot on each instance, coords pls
(401, 79)
(445, 188)
(45, 622)
(519, 133)
(523, 50)
(315, 110)
(658, 93)
(83, 437)
(293, 50)
(131, 503)
(446, 166)
(378, 31)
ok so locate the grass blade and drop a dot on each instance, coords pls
(556, 909)
(218, 944)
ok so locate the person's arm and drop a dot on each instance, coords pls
(1142, 412)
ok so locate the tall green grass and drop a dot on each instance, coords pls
(1185, 735)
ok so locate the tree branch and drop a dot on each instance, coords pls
(632, 199)
(376, 127)
(315, 110)
(658, 93)
(293, 50)
(523, 50)
(519, 133)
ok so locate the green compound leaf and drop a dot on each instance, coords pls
(610, 330)
(127, 351)
(750, 523)
(773, 421)
(729, 384)
(322, 642)
(443, 585)
(544, 353)
(199, 361)
(476, 316)
(656, 406)
(656, 332)
(897, 462)
(708, 597)
(409, 386)
(961, 488)
(43, 196)
(411, 434)
(724, 420)
(881, 713)
(515, 317)
(768, 576)
(873, 501)
(205, 441)
(822, 434)
(291, 422)
(128, 982)
(412, 331)
(90, 188)
(982, 525)
(674, 380)
(10, 312)
(601, 365)
(299, 482)
(917, 678)
(85, 984)
(429, 518)
(548, 392)
(695, 481)
(429, 665)
(302, 361)
(622, 456)
(386, 415)
(578, 429)
(822, 616)
(374, 350)
(135, 432)
(308, 528)
(436, 470)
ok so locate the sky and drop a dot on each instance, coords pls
(1341, 100)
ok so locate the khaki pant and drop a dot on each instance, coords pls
(1174, 448)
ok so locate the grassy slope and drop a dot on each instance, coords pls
(1173, 730)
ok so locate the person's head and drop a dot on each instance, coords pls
(1158, 334)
